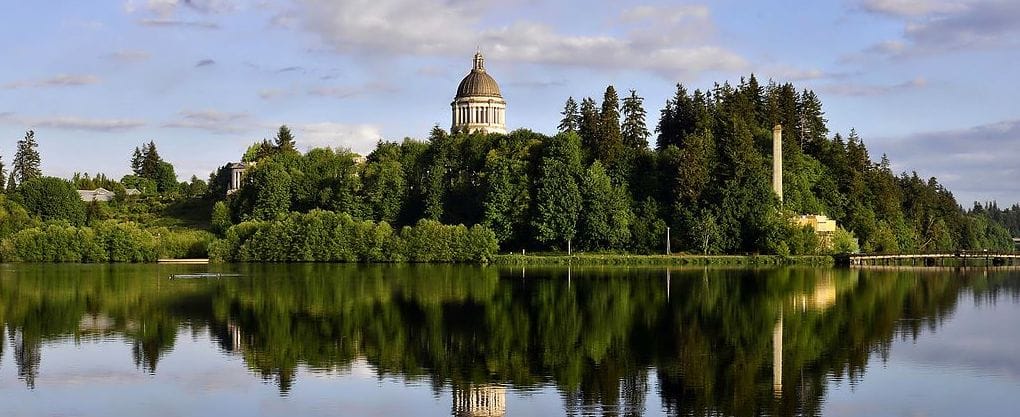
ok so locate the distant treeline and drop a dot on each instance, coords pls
(598, 186)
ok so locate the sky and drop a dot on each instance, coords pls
(927, 82)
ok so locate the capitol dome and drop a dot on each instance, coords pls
(478, 105)
(478, 83)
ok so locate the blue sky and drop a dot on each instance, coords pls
(926, 81)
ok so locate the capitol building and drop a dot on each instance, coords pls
(478, 106)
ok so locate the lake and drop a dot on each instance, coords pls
(440, 340)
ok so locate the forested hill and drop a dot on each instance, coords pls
(600, 185)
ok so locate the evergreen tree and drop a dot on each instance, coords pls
(285, 140)
(136, 161)
(634, 130)
(571, 118)
(26, 160)
(150, 161)
(811, 127)
(11, 183)
(609, 144)
(589, 126)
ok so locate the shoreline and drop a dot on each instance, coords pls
(685, 259)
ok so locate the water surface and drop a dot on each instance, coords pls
(124, 340)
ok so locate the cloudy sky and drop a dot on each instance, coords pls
(926, 81)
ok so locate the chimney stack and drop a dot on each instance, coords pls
(777, 161)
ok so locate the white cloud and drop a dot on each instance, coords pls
(213, 121)
(669, 40)
(850, 89)
(72, 123)
(909, 8)
(932, 27)
(62, 80)
(976, 163)
(360, 138)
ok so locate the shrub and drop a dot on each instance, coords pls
(324, 236)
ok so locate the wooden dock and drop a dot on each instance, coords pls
(960, 258)
(193, 261)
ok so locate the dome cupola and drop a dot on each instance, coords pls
(478, 105)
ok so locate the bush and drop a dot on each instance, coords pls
(324, 236)
(51, 198)
(61, 242)
(13, 217)
(181, 244)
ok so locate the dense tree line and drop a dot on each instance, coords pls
(326, 236)
(598, 186)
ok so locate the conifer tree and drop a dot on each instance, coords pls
(610, 141)
(136, 161)
(571, 117)
(26, 160)
(285, 140)
(11, 183)
(588, 129)
(634, 129)
(150, 161)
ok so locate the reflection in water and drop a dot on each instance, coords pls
(701, 341)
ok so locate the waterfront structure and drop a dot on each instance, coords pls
(478, 106)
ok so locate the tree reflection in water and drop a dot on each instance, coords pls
(704, 341)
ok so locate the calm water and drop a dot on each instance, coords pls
(311, 340)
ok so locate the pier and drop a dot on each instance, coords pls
(958, 258)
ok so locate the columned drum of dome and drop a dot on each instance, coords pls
(478, 106)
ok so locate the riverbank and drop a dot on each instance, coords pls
(679, 260)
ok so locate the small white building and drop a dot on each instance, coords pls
(99, 194)
(236, 174)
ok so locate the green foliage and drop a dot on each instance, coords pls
(26, 160)
(13, 217)
(558, 198)
(221, 218)
(323, 236)
(571, 118)
(51, 198)
(182, 244)
(56, 242)
(285, 140)
(606, 217)
(844, 241)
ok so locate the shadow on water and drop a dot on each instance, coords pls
(699, 341)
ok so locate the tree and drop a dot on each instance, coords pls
(558, 197)
(150, 161)
(634, 130)
(606, 217)
(571, 118)
(285, 140)
(220, 218)
(166, 178)
(265, 194)
(588, 129)
(136, 161)
(51, 198)
(506, 195)
(609, 144)
(26, 160)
